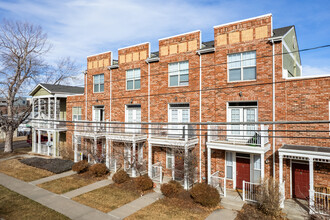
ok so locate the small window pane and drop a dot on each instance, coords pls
(184, 78)
(249, 73)
(229, 172)
(173, 80)
(129, 74)
(256, 176)
(229, 158)
(234, 61)
(137, 84)
(130, 84)
(137, 73)
(101, 78)
(257, 162)
(184, 65)
(96, 79)
(249, 58)
(101, 87)
(96, 88)
(173, 68)
(235, 75)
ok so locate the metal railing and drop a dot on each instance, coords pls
(250, 191)
(181, 132)
(157, 172)
(219, 183)
(320, 202)
(118, 128)
(250, 135)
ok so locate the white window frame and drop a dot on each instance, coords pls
(135, 119)
(99, 107)
(73, 115)
(241, 62)
(254, 169)
(243, 117)
(133, 79)
(98, 75)
(180, 113)
(178, 73)
(169, 154)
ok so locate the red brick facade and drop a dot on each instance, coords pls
(298, 99)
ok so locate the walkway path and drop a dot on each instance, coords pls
(54, 177)
(87, 188)
(66, 206)
(134, 206)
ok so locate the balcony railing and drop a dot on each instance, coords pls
(45, 124)
(251, 135)
(121, 128)
(181, 132)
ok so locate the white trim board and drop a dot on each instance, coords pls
(100, 53)
(178, 35)
(135, 45)
(247, 19)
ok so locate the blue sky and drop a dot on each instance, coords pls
(79, 28)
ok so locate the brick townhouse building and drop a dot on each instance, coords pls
(250, 72)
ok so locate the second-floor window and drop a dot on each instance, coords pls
(76, 113)
(133, 79)
(178, 73)
(242, 66)
(98, 83)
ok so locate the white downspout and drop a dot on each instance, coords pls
(148, 92)
(274, 110)
(200, 117)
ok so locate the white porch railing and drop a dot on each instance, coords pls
(157, 172)
(320, 202)
(250, 135)
(250, 191)
(219, 183)
(173, 131)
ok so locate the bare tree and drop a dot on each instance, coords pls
(22, 50)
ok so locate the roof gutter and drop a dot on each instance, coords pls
(204, 51)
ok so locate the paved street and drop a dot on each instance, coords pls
(17, 144)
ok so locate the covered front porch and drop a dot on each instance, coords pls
(305, 172)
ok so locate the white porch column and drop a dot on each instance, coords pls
(107, 153)
(134, 157)
(55, 111)
(281, 168)
(48, 141)
(55, 141)
(95, 146)
(75, 148)
(262, 158)
(34, 140)
(48, 122)
(311, 182)
(209, 151)
(39, 141)
(39, 107)
(150, 160)
(186, 168)
(282, 187)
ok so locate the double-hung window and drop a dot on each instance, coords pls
(178, 73)
(76, 113)
(256, 168)
(98, 83)
(242, 66)
(133, 79)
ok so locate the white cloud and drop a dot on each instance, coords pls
(314, 70)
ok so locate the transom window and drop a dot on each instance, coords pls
(133, 79)
(98, 83)
(242, 66)
(76, 113)
(178, 73)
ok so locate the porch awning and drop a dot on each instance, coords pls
(302, 152)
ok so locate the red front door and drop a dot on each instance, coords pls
(242, 171)
(300, 180)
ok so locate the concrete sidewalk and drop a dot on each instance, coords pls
(54, 177)
(67, 207)
(134, 206)
(87, 188)
(222, 214)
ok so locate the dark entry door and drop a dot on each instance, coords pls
(242, 171)
(300, 180)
